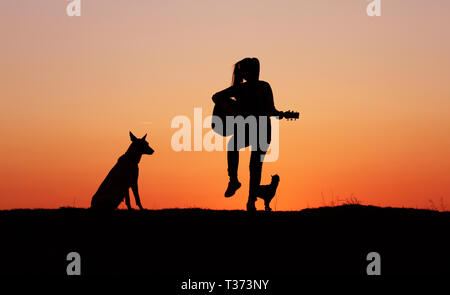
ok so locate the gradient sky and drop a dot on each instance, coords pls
(374, 95)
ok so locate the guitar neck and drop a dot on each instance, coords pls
(282, 115)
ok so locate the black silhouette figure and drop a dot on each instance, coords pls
(248, 96)
(123, 176)
(267, 192)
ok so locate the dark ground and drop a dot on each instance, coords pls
(194, 242)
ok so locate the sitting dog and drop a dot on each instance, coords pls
(123, 176)
(267, 192)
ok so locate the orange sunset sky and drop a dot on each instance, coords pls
(373, 92)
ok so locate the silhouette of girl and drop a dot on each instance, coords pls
(252, 97)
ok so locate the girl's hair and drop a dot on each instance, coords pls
(247, 69)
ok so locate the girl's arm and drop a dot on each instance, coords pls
(270, 105)
(224, 95)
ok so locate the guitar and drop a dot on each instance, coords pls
(221, 111)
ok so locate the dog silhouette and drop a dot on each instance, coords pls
(267, 192)
(123, 176)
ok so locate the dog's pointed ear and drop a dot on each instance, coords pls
(132, 137)
(145, 136)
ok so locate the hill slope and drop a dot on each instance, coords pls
(177, 242)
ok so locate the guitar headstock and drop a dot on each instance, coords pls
(291, 115)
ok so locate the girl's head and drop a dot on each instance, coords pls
(246, 69)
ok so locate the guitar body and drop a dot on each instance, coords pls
(220, 112)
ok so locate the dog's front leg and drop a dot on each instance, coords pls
(127, 199)
(134, 188)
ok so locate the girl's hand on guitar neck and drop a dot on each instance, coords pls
(279, 114)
